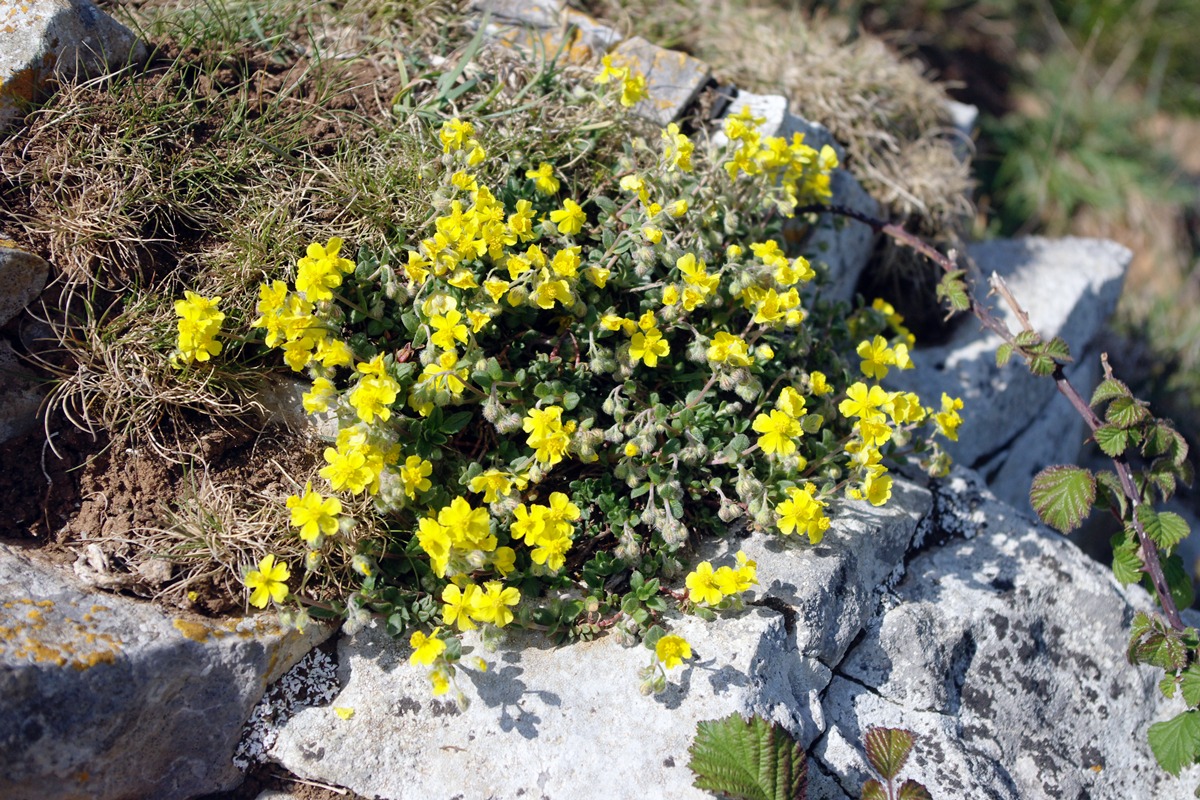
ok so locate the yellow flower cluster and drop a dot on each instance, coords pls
(803, 512)
(631, 82)
(199, 323)
(709, 587)
(786, 163)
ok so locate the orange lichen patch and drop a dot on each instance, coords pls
(196, 631)
(44, 635)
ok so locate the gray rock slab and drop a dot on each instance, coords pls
(546, 721)
(20, 396)
(833, 587)
(840, 247)
(1069, 287)
(673, 79)
(41, 40)
(1005, 653)
(22, 278)
(528, 13)
(105, 697)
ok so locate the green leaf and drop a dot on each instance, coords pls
(1189, 684)
(1063, 496)
(1179, 584)
(1127, 564)
(873, 790)
(911, 790)
(1176, 742)
(1027, 338)
(1042, 365)
(754, 759)
(1166, 528)
(1114, 494)
(1109, 390)
(888, 749)
(1125, 412)
(1057, 349)
(1003, 354)
(456, 422)
(1112, 440)
(953, 290)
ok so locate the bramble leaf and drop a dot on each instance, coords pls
(1189, 684)
(1179, 583)
(911, 790)
(752, 759)
(1167, 529)
(873, 790)
(1109, 389)
(1027, 338)
(1176, 742)
(1125, 412)
(953, 290)
(1152, 641)
(1062, 496)
(1003, 354)
(1057, 349)
(888, 749)
(1042, 365)
(1111, 490)
(1127, 564)
(1112, 440)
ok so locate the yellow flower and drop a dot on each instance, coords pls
(778, 430)
(314, 514)
(459, 604)
(802, 512)
(610, 72)
(876, 356)
(569, 218)
(199, 323)
(649, 347)
(492, 483)
(426, 649)
(631, 449)
(321, 270)
(677, 149)
(633, 89)
(543, 178)
(729, 349)
(948, 419)
(818, 384)
(702, 587)
(268, 582)
(455, 134)
(492, 605)
(672, 650)
(343, 712)
(413, 476)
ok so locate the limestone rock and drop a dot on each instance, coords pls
(1069, 287)
(22, 278)
(546, 721)
(673, 79)
(44, 40)
(1005, 653)
(105, 697)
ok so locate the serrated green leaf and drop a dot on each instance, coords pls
(873, 790)
(1168, 686)
(1179, 584)
(1003, 354)
(1042, 365)
(952, 289)
(1062, 496)
(1158, 645)
(1126, 564)
(1108, 390)
(1189, 685)
(888, 749)
(1112, 440)
(1027, 338)
(1176, 742)
(754, 759)
(1114, 492)
(1165, 528)
(911, 790)
(1057, 349)
(1125, 412)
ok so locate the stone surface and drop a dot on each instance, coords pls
(546, 29)
(1005, 653)
(840, 246)
(106, 697)
(673, 79)
(546, 721)
(20, 397)
(22, 278)
(1069, 287)
(41, 40)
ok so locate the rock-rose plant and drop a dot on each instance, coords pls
(548, 396)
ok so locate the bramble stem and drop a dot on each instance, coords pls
(1150, 560)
